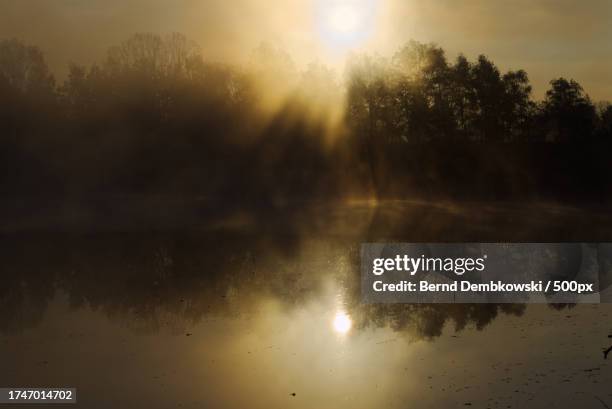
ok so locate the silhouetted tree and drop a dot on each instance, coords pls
(517, 108)
(604, 126)
(155, 117)
(24, 69)
(28, 88)
(424, 92)
(489, 93)
(368, 113)
(568, 111)
(464, 98)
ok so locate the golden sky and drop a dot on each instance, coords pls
(548, 38)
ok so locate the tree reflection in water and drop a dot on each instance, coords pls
(152, 281)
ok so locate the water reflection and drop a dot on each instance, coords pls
(150, 282)
(251, 319)
(342, 322)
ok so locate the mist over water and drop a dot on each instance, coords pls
(181, 230)
(226, 319)
(187, 319)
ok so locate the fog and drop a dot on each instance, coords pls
(566, 37)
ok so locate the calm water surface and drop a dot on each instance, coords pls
(272, 319)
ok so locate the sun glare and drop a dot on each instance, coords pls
(344, 18)
(345, 23)
(342, 323)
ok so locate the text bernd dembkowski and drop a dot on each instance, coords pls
(458, 266)
(472, 273)
(493, 286)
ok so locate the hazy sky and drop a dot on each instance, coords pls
(548, 38)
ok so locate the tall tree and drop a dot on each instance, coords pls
(27, 88)
(568, 110)
(517, 108)
(24, 68)
(489, 92)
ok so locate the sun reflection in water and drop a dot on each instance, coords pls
(342, 322)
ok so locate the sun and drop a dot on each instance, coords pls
(345, 23)
(342, 323)
(344, 18)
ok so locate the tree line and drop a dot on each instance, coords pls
(464, 128)
(155, 117)
(420, 96)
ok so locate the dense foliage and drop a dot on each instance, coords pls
(156, 118)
